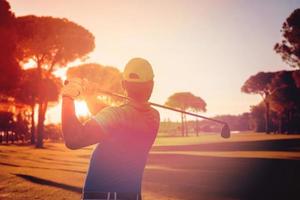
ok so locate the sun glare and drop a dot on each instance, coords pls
(30, 64)
(81, 108)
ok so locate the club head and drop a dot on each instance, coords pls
(225, 133)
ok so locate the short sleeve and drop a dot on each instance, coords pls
(108, 119)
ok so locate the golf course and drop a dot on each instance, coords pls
(149, 100)
(246, 166)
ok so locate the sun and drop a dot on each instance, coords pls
(81, 108)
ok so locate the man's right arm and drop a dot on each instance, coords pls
(77, 135)
(94, 104)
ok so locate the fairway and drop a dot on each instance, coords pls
(162, 100)
(247, 166)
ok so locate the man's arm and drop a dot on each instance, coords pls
(94, 104)
(77, 135)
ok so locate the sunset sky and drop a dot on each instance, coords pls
(207, 47)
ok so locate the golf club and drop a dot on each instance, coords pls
(225, 132)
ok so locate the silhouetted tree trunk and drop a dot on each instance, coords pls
(280, 125)
(13, 137)
(41, 118)
(32, 131)
(289, 122)
(182, 125)
(7, 136)
(267, 116)
(197, 127)
(185, 125)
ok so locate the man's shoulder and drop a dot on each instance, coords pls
(109, 112)
(128, 107)
(108, 109)
(126, 111)
(155, 112)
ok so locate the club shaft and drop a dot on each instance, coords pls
(188, 113)
(165, 107)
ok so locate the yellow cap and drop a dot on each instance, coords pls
(138, 70)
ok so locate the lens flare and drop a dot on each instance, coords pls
(81, 108)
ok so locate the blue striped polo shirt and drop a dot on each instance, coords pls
(117, 163)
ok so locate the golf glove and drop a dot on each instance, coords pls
(74, 88)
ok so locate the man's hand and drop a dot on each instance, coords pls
(74, 88)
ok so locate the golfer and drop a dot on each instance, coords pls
(123, 134)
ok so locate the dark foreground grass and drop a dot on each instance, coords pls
(247, 166)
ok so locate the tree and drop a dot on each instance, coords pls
(6, 124)
(258, 117)
(261, 84)
(9, 68)
(53, 132)
(108, 78)
(289, 47)
(296, 77)
(50, 43)
(186, 101)
(21, 127)
(27, 92)
(285, 100)
(284, 103)
(105, 78)
(281, 101)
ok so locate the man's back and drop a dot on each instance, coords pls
(125, 134)
(119, 160)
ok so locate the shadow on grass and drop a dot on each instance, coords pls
(46, 168)
(237, 178)
(50, 161)
(66, 161)
(41, 181)
(211, 177)
(224, 178)
(9, 164)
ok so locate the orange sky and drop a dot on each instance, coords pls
(207, 47)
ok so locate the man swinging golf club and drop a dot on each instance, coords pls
(125, 135)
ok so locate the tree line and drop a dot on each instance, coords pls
(279, 110)
(50, 43)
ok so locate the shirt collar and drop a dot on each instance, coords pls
(143, 106)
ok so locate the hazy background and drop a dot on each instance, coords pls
(206, 47)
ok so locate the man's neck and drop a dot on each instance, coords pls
(141, 105)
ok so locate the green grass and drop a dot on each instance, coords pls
(204, 167)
